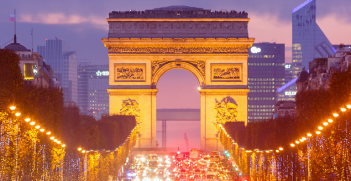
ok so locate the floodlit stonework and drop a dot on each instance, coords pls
(142, 46)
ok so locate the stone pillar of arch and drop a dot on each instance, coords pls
(142, 48)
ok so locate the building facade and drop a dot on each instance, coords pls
(93, 99)
(64, 63)
(266, 73)
(321, 70)
(308, 39)
(288, 94)
(34, 70)
(284, 108)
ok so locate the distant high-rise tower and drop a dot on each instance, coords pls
(308, 39)
(93, 99)
(64, 63)
(266, 73)
(309, 42)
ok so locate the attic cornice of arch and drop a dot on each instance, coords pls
(152, 40)
(178, 19)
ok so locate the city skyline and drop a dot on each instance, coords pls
(270, 22)
(73, 26)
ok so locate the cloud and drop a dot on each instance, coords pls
(336, 28)
(63, 19)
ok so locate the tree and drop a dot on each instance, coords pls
(11, 81)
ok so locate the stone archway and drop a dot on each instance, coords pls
(195, 67)
(142, 47)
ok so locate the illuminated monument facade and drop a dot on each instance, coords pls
(142, 46)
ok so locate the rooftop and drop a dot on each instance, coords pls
(16, 46)
(178, 12)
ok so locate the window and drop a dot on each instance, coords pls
(28, 71)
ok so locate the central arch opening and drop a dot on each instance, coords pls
(178, 99)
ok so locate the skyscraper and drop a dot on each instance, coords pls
(93, 98)
(266, 72)
(308, 39)
(309, 42)
(64, 63)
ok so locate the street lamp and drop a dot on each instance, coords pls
(27, 120)
(330, 120)
(32, 123)
(292, 145)
(17, 114)
(12, 107)
(48, 133)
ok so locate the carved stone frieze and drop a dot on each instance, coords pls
(177, 49)
(166, 25)
(226, 110)
(129, 72)
(131, 107)
(198, 64)
(227, 72)
(163, 29)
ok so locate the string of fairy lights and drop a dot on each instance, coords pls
(298, 141)
(49, 134)
(321, 127)
(38, 127)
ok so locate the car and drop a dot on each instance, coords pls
(212, 165)
(215, 158)
(215, 153)
(211, 177)
(206, 158)
(194, 154)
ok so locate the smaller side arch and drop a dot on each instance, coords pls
(178, 65)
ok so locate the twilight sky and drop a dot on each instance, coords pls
(82, 24)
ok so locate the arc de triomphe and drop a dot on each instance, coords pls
(143, 45)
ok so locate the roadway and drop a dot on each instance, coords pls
(180, 166)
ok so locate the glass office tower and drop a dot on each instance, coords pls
(93, 98)
(308, 39)
(266, 73)
(56, 53)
